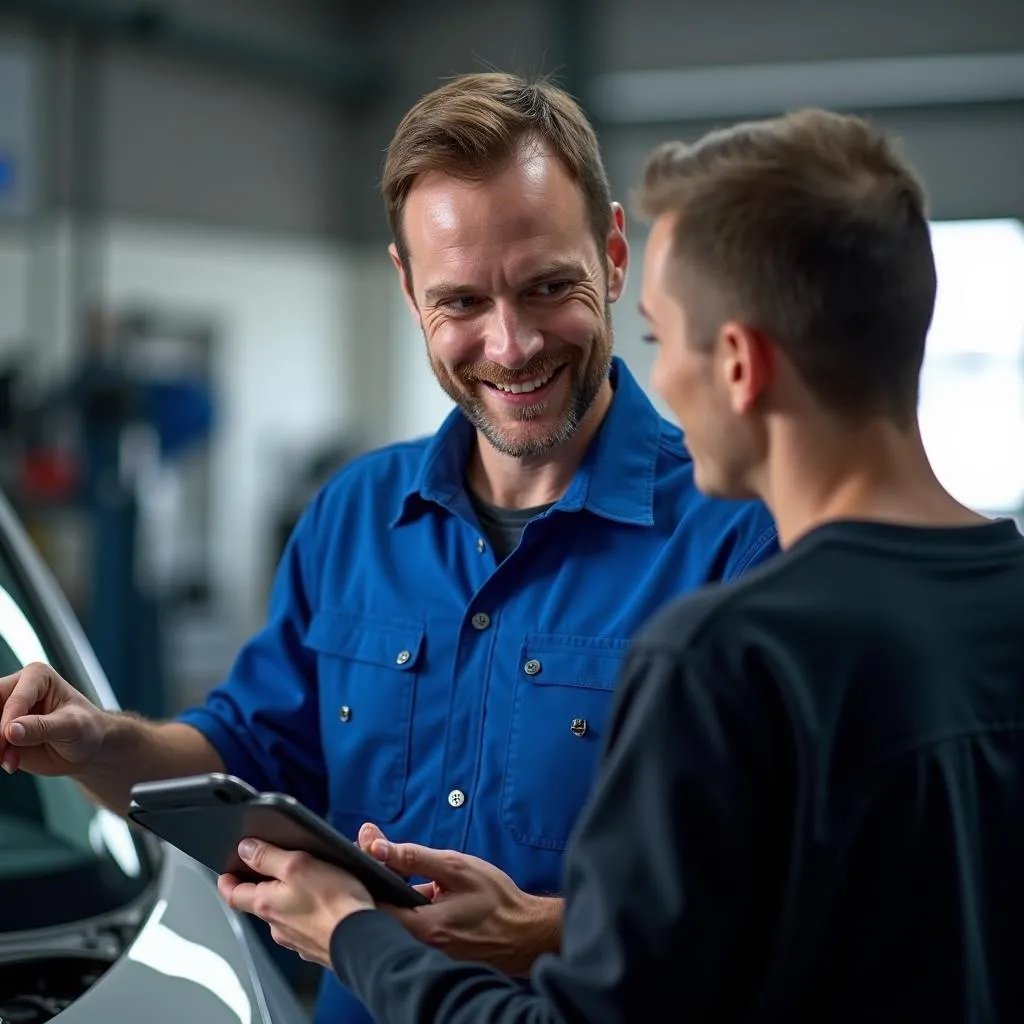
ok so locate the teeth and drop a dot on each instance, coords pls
(526, 386)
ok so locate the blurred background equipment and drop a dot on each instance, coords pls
(122, 444)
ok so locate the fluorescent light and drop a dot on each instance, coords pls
(756, 90)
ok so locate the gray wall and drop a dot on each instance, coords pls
(140, 130)
(670, 33)
(170, 137)
(972, 157)
(193, 143)
(18, 149)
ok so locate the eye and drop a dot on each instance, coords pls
(461, 303)
(552, 289)
(650, 339)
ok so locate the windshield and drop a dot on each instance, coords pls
(62, 859)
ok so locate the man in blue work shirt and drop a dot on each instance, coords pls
(450, 617)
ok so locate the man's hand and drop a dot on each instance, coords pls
(476, 913)
(303, 901)
(46, 726)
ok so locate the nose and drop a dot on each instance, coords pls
(512, 341)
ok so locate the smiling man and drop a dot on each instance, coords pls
(504, 272)
(528, 386)
(450, 617)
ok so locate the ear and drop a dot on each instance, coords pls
(617, 253)
(403, 277)
(748, 364)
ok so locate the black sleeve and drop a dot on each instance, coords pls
(671, 877)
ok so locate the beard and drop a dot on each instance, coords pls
(587, 369)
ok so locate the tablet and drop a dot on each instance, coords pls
(207, 816)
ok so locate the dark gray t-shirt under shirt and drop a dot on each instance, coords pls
(503, 527)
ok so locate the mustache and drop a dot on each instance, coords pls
(494, 373)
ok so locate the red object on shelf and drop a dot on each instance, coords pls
(48, 476)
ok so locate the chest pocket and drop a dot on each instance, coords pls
(367, 668)
(562, 699)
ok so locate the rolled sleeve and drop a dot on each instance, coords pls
(264, 718)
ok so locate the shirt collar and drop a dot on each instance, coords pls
(615, 479)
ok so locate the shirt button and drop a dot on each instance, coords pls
(403, 657)
(480, 545)
(344, 712)
(532, 667)
(481, 620)
(456, 798)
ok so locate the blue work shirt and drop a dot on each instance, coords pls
(405, 678)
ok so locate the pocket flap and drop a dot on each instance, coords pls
(376, 640)
(592, 662)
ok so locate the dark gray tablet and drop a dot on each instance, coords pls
(207, 816)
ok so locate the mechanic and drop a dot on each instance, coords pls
(450, 616)
(812, 803)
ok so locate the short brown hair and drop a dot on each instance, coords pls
(813, 229)
(472, 126)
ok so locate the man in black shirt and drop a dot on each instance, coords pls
(811, 805)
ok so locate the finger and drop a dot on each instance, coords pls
(7, 685)
(32, 730)
(420, 922)
(30, 686)
(407, 914)
(368, 835)
(442, 866)
(267, 860)
(226, 885)
(243, 897)
(431, 890)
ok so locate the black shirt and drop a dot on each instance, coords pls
(811, 808)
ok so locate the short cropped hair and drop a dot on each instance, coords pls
(812, 229)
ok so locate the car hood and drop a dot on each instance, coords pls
(193, 959)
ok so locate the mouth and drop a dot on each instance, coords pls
(527, 392)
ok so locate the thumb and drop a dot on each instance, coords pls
(442, 866)
(33, 730)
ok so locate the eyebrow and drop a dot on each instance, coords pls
(570, 268)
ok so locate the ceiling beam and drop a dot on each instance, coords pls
(334, 69)
(759, 90)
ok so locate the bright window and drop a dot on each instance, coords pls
(972, 386)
